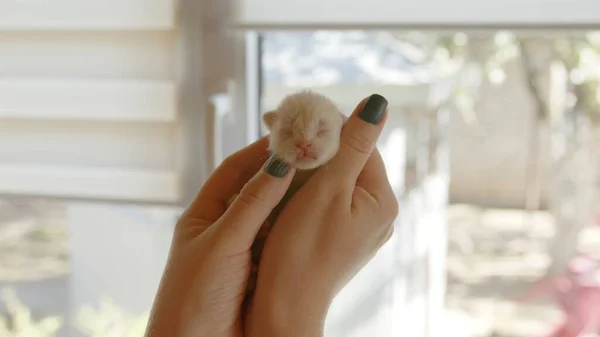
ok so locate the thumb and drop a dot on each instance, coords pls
(254, 203)
(359, 137)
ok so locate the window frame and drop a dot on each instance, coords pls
(426, 14)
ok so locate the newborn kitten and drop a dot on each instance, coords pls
(304, 133)
(305, 130)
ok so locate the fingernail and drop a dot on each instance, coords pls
(373, 110)
(276, 167)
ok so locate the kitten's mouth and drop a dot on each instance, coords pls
(306, 161)
(306, 157)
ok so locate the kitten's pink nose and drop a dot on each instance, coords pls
(303, 144)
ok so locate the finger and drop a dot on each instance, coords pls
(257, 199)
(373, 180)
(227, 180)
(358, 138)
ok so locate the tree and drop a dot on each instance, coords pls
(569, 110)
(574, 124)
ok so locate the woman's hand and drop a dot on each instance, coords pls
(326, 233)
(205, 278)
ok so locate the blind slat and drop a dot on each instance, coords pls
(152, 101)
(88, 143)
(94, 183)
(87, 55)
(86, 14)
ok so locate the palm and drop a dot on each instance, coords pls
(226, 282)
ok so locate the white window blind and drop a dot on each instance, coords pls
(280, 14)
(90, 101)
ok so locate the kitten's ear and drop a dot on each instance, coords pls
(269, 118)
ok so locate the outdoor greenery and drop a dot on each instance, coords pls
(473, 58)
(20, 322)
(108, 320)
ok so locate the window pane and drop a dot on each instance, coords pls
(81, 263)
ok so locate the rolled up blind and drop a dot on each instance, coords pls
(279, 14)
(89, 100)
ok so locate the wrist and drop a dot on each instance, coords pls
(284, 316)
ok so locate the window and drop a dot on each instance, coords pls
(158, 96)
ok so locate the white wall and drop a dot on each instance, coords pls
(492, 168)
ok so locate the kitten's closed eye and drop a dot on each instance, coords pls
(322, 133)
(323, 130)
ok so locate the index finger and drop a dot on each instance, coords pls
(228, 179)
(359, 137)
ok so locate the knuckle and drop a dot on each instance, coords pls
(393, 209)
(389, 232)
(359, 142)
(251, 195)
(387, 210)
(371, 199)
(232, 199)
(337, 202)
(330, 192)
(229, 161)
(389, 204)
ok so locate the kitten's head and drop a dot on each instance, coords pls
(305, 130)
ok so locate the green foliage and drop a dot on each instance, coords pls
(20, 322)
(581, 58)
(466, 60)
(111, 321)
(108, 320)
(471, 59)
(475, 59)
(487, 56)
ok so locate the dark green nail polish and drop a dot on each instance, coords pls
(374, 108)
(276, 167)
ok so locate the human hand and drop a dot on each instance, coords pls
(205, 278)
(326, 233)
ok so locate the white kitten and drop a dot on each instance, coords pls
(305, 129)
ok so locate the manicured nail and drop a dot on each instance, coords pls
(276, 167)
(373, 110)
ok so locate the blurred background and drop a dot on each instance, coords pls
(113, 112)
